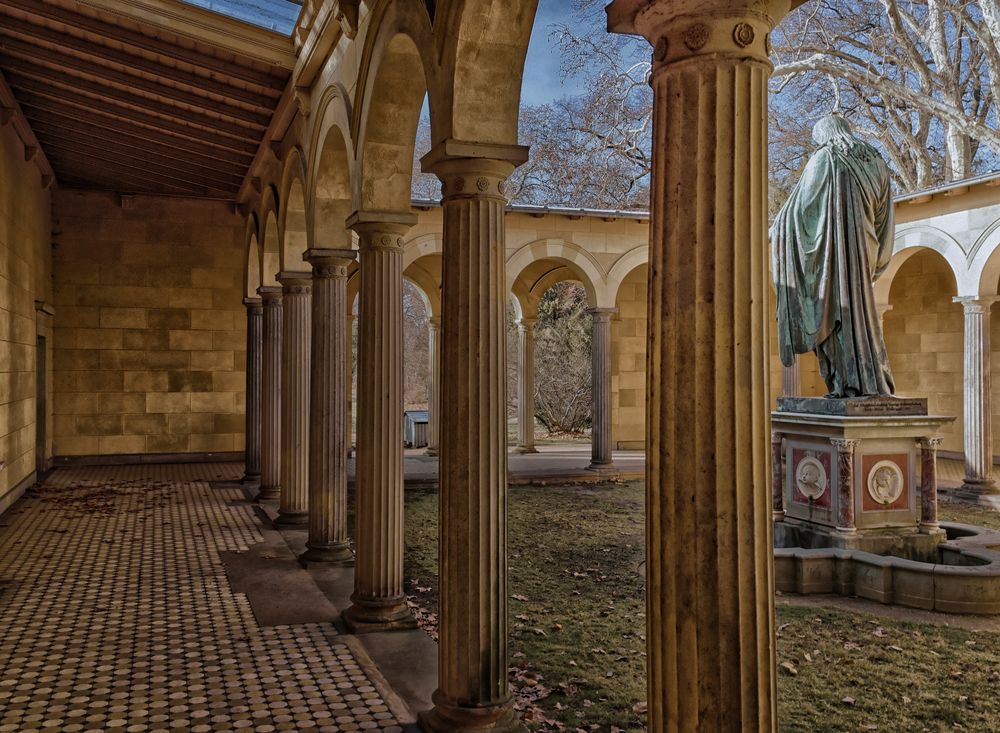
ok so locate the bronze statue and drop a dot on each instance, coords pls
(831, 240)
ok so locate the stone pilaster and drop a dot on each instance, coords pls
(845, 483)
(255, 346)
(711, 650)
(293, 506)
(978, 424)
(328, 440)
(270, 424)
(600, 356)
(777, 478)
(791, 380)
(928, 484)
(378, 600)
(434, 396)
(473, 693)
(526, 386)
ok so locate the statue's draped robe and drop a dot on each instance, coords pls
(830, 241)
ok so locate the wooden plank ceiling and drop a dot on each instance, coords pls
(127, 106)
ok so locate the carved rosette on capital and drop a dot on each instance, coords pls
(845, 486)
(473, 694)
(777, 477)
(928, 483)
(708, 436)
(255, 346)
(270, 423)
(293, 507)
(328, 441)
(378, 602)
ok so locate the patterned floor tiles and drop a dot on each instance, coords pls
(116, 615)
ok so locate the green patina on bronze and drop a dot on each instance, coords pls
(831, 240)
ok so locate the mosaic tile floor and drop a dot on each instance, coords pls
(116, 615)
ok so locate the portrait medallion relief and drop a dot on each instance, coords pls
(811, 478)
(885, 482)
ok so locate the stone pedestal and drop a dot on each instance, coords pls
(600, 347)
(858, 474)
(526, 386)
(293, 506)
(473, 694)
(378, 602)
(270, 424)
(328, 439)
(255, 346)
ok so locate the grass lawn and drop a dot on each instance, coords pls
(578, 629)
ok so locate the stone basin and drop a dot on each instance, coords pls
(965, 578)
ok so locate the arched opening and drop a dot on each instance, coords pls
(923, 329)
(628, 361)
(251, 266)
(270, 251)
(292, 220)
(332, 175)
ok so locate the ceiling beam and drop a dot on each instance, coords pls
(47, 125)
(144, 42)
(27, 53)
(30, 97)
(12, 27)
(71, 118)
(51, 137)
(106, 164)
(47, 77)
(9, 102)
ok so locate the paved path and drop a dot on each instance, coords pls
(118, 616)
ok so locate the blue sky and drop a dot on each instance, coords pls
(542, 80)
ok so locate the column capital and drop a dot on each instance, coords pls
(270, 293)
(329, 262)
(252, 302)
(473, 170)
(931, 443)
(682, 29)
(295, 283)
(381, 229)
(845, 445)
(605, 314)
(976, 303)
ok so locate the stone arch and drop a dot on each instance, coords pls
(425, 274)
(985, 266)
(397, 68)
(482, 44)
(908, 241)
(251, 259)
(425, 245)
(269, 239)
(293, 220)
(332, 172)
(625, 265)
(524, 273)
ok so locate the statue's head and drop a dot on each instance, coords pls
(832, 128)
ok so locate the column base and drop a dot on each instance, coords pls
(525, 449)
(431, 452)
(330, 555)
(250, 479)
(977, 487)
(269, 493)
(370, 616)
(603, 468)
(446, 717)
(291, 519)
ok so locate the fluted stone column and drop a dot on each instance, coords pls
(978, 424)
(526, 386)
(270, 424)
(434, 401)
(293, 506)
(600, 353)
(350, 382)
(328, 440)
(255, 345)
(791, 380)
(928, 484)
(711, 649)
(473, 693)
(378, 600)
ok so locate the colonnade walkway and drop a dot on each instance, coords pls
(122, 612)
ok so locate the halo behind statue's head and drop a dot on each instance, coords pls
(831, 129)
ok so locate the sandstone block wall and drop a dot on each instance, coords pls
(24, 279)
(150, 330)
(628, 363)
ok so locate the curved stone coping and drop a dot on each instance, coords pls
(970, 583)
